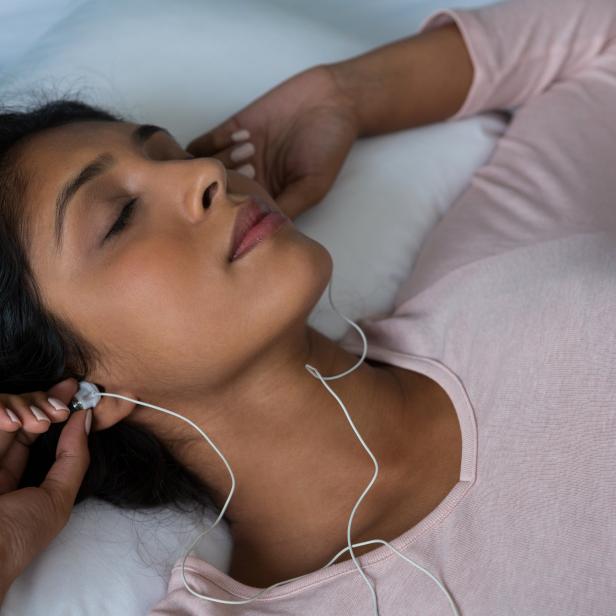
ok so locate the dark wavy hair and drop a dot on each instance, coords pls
(129, 467)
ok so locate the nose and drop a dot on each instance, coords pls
(207, 183)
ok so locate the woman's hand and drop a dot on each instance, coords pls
(31, 517)
(302, 131)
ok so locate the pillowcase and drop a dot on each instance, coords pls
(25, 21)
(187, 65)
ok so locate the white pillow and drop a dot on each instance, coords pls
(187, 65)
(25, 21)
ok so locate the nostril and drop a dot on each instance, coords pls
(208, 195)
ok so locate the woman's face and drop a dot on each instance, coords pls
(160, 299)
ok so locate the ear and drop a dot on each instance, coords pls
(109, 411)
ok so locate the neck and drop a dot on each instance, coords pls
(298, 465)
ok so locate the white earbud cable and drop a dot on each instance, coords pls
(314, 372)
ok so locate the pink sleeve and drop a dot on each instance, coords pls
(519, 48)
(553, 172)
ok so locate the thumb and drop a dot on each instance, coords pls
(299, 196)
(64, 478)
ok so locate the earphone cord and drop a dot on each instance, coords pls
(314, 372)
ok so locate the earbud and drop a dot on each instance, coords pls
(87, 397)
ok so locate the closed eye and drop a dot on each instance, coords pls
(126, 215)
(123, 219)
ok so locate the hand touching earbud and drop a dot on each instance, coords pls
(31, 517)
(301, 132)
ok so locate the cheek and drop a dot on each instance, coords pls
(160, 301)
(176, 314)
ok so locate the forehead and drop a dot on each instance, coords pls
(60, 147)
(48, 158)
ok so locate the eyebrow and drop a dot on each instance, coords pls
(101, 164)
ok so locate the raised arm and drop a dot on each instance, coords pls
(515, 50)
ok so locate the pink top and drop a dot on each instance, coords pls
(510, 307)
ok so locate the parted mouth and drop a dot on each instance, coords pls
(250, 213)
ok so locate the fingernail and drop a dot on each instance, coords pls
(58, 404)
(240, 135)
(12, 416)
(36, 411)
(246, 150)
(247, 170)
(88, 420)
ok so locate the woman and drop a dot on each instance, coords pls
(488, 395)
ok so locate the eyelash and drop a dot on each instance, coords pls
(123, 220)
(126, 215)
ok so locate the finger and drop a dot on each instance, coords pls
(8, 430)
(300, 196)
(248, 170)
(64, 390)
(9, 422)
(219, 138)
(34, 421)
(236, 155)
(15, 446)
(12, 465)
(14, 452)
(15, 442)
(59, 396)
(53, 408)
(72, 460)
(8, 469)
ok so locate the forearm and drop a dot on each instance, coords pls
(411, 82)
(497, 56)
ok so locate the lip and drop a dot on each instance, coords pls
(265, 227)
(250, 212)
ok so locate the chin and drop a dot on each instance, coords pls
(309, 271)
(286, 253)
(286, 279)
